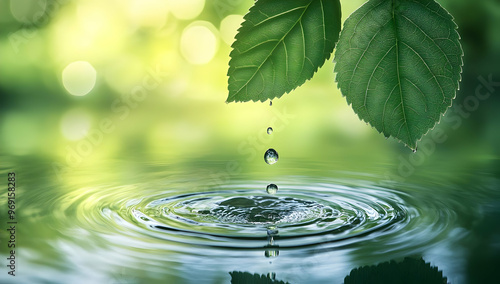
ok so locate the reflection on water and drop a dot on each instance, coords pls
(408, 271)
(238, 277)
(153, 223)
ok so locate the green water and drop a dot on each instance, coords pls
(196, 222)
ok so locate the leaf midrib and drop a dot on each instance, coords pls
(405, 121)
(274, 48)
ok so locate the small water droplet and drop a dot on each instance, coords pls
(270, 240)
(414, 150)
(269, 130)
(271, 156)
(273, 252)
(270, 103)
(272, 188)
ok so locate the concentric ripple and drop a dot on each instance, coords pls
(238, 215)
(181, 223)
(327, 212)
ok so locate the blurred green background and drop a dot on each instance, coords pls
(85, 81)
(131, 83)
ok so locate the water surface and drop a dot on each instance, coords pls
(132, 222)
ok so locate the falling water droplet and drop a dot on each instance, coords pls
(271, 156)
(269, 130)
(272, 188)
(272, 252)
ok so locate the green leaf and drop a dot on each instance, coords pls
(280, 45)
(398, 63)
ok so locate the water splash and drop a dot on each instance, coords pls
(238, 215)
(272, 231)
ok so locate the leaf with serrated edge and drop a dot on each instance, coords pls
(399, 63)
(280, 45)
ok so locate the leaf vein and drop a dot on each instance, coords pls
(272, 51)
(426, 35)
(268, 18)
(428, 68)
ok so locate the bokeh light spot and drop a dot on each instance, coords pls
(79, 78)
(75, 124)
(198, 43)
(186, 9)
(229, 27)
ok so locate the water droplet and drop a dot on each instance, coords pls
(270, 241)
(272, 252)
(414, 150)
(270, 103)
(269, 130)
(271, 156)
(272, 231)
(272, 188)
